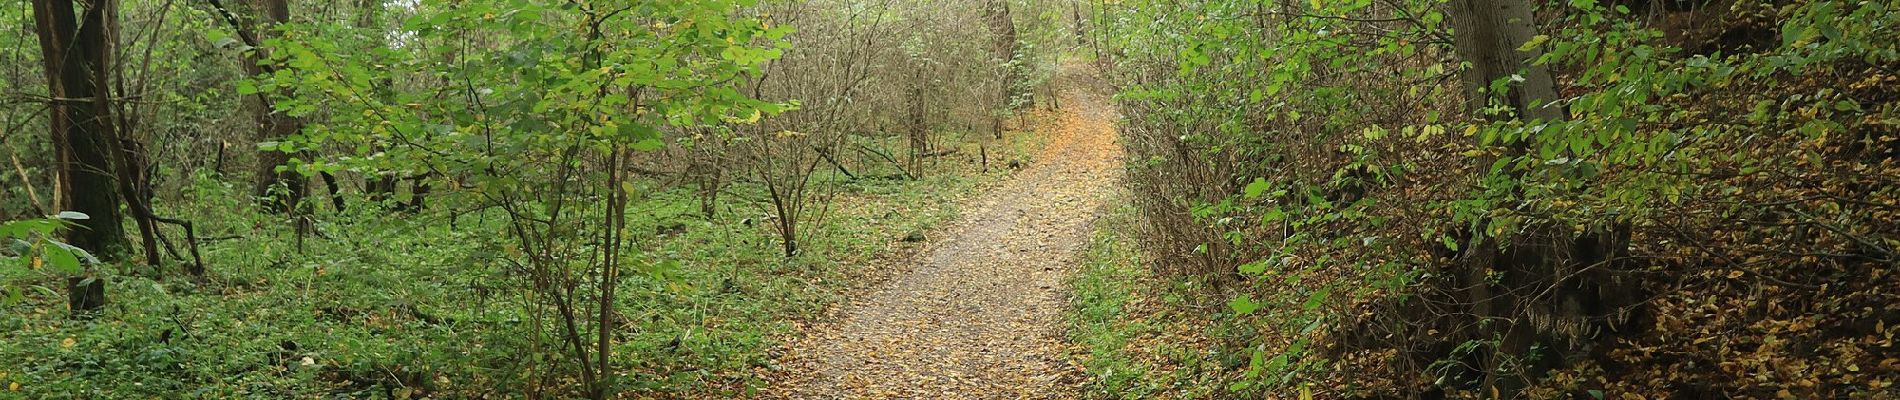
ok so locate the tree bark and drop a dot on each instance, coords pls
(78, 53)
(918, 129)
(378, 187)
(272, 125)
(1499, 273)
(1488, 34)
(1005, 49)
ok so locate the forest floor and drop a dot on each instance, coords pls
(979, 313)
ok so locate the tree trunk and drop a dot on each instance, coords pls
(379, 187)
(918, 130)
(418, 194)
(1005, 50)
(78, 57)
(336, 191)
(272, 125)
(136, 190)
(1581, 269)
(1488, 34)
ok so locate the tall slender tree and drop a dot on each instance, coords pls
(1005, 49)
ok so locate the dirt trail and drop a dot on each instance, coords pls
(979, 316)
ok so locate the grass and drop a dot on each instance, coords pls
(397, 306)
(1137, 336)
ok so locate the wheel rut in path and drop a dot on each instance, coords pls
(979, 315)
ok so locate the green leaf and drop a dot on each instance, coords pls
(637, 131)
(1273, 215)
(1317, 298)
(1278, 363)
(84, 256)
(61, 260)
(663, 270)
(1243, 305)
(1254, 268)
(1258, 186)
(1792, 32)
(649, 144)
(22, 228)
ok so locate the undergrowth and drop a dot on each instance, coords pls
(382, 305)
(1136, 334)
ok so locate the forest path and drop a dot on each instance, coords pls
(980, 313)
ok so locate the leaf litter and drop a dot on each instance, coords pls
(978, 315)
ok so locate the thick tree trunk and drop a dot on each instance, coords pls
(1488, 34)
(1500, 276)
(281, 190)
(78, 57)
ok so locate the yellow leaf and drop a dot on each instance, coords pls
(1306, 392)
(37, 262)
(1534, 42)
(15, 386)
(68, 343)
